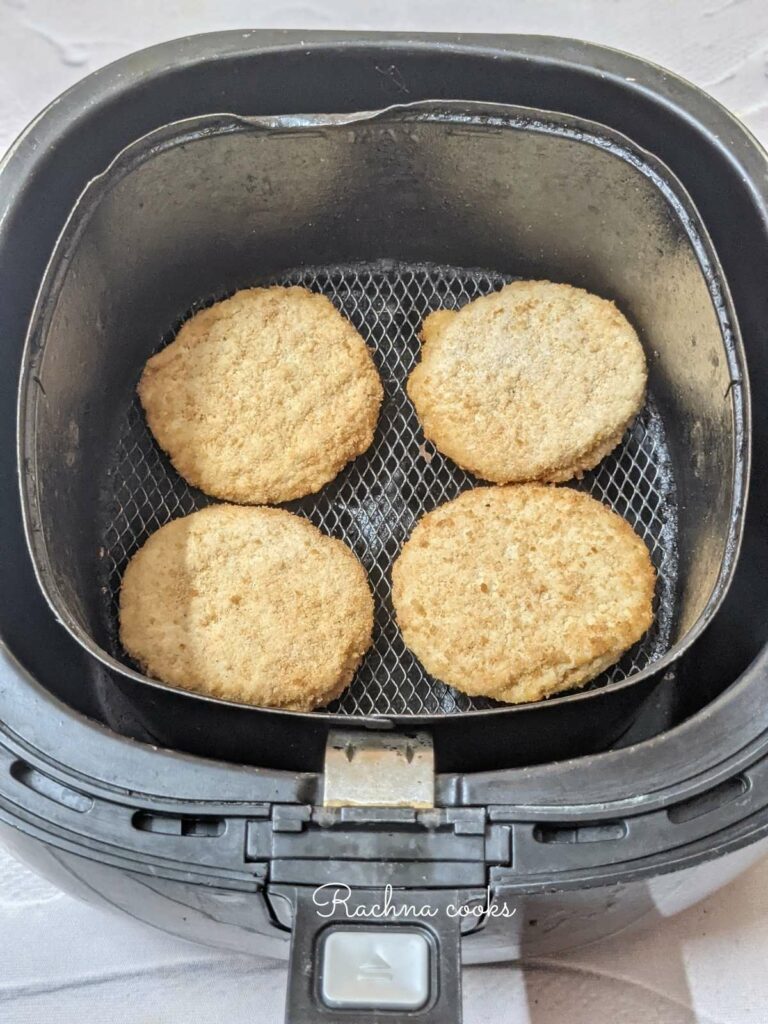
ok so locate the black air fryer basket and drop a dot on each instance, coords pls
(385, 213)
(220, 162)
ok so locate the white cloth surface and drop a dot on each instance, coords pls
(64, 962)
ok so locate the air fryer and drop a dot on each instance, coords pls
(201, 166)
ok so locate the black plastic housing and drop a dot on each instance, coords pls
(686, 794)
(280, 74)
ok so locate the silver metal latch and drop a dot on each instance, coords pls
(368, 769)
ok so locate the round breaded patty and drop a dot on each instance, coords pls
(520, 592)
(537, 381)
(248, 604)
(263, 397)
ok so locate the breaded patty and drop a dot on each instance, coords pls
(537, 381)
(519, 592)
(248, 604)
(263, 397)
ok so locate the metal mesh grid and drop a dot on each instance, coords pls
(375, 502)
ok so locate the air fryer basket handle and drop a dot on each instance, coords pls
(382, 955)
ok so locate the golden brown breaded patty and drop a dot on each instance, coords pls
(519, 592)
(263, 397)
(247, 604)
(537, 381)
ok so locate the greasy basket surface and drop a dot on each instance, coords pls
(375, 502)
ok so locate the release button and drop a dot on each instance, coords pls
(375, 968)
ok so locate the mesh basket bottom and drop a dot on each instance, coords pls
(375, 502)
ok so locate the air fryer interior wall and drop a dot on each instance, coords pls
(272, 72)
